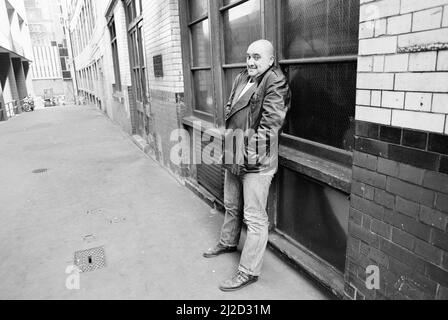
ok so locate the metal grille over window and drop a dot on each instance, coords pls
(316, 28)
(320, 45)
(323, 103)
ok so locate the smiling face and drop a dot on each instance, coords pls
(259, 58)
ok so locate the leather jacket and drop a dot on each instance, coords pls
(262, 110)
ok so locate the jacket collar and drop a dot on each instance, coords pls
(244, 100)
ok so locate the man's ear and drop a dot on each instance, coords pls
(271, 61)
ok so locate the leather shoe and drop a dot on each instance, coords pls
(217, 250)
(238, 281)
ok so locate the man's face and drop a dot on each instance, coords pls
(259, 59)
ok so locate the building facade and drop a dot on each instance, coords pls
(51, 68)
(360, 201)
(15, 57)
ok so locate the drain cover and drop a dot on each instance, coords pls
(91, 259)
(40, 170)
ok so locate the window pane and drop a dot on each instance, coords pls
(314, 215)
(242, 26)
(319, 28)
(323, 103)
(203, 91)
(198, 9)
(200, 37)
(230, 75)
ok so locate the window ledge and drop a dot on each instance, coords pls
(191, 120)
(320, 271)
(328, 172)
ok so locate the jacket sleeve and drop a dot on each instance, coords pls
(275, 105)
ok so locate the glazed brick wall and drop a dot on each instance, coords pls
(162, 36)
(161, 29)
(403, 64)
(399, 213)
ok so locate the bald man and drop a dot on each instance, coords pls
(257, 106)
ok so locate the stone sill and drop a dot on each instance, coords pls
(328, 172)
(190, 120)
(317, 269)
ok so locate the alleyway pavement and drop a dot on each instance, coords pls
(100, 190)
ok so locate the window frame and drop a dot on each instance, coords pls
(192, 69)
(117, 87)
(271, 29)
(239, 65)
(327, 152)
(137, 48)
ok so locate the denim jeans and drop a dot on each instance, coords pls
(245, 200)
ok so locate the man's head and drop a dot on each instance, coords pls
(259, 58)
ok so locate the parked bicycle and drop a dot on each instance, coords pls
(28, 104)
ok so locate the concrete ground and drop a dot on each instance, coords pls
(100, 190)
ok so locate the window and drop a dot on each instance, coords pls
(318, 42)
(242, 26)
(138, 61)
(319, 49)
(113, 42)
(217, 55)
(134, 9)
(138, 65)
(201, 57)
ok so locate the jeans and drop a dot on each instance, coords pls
(245, 200)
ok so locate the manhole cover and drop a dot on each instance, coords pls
(91, 259)
(40, 170)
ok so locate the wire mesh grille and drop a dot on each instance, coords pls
(319, 28)
(323, 103)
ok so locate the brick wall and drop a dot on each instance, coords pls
(122, 42)
(403, 64)
(399, 201)
(162, 37)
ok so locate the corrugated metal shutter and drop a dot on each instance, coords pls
(210, 176)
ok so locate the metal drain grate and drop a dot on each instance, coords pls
(40, 171)
(91, 259)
